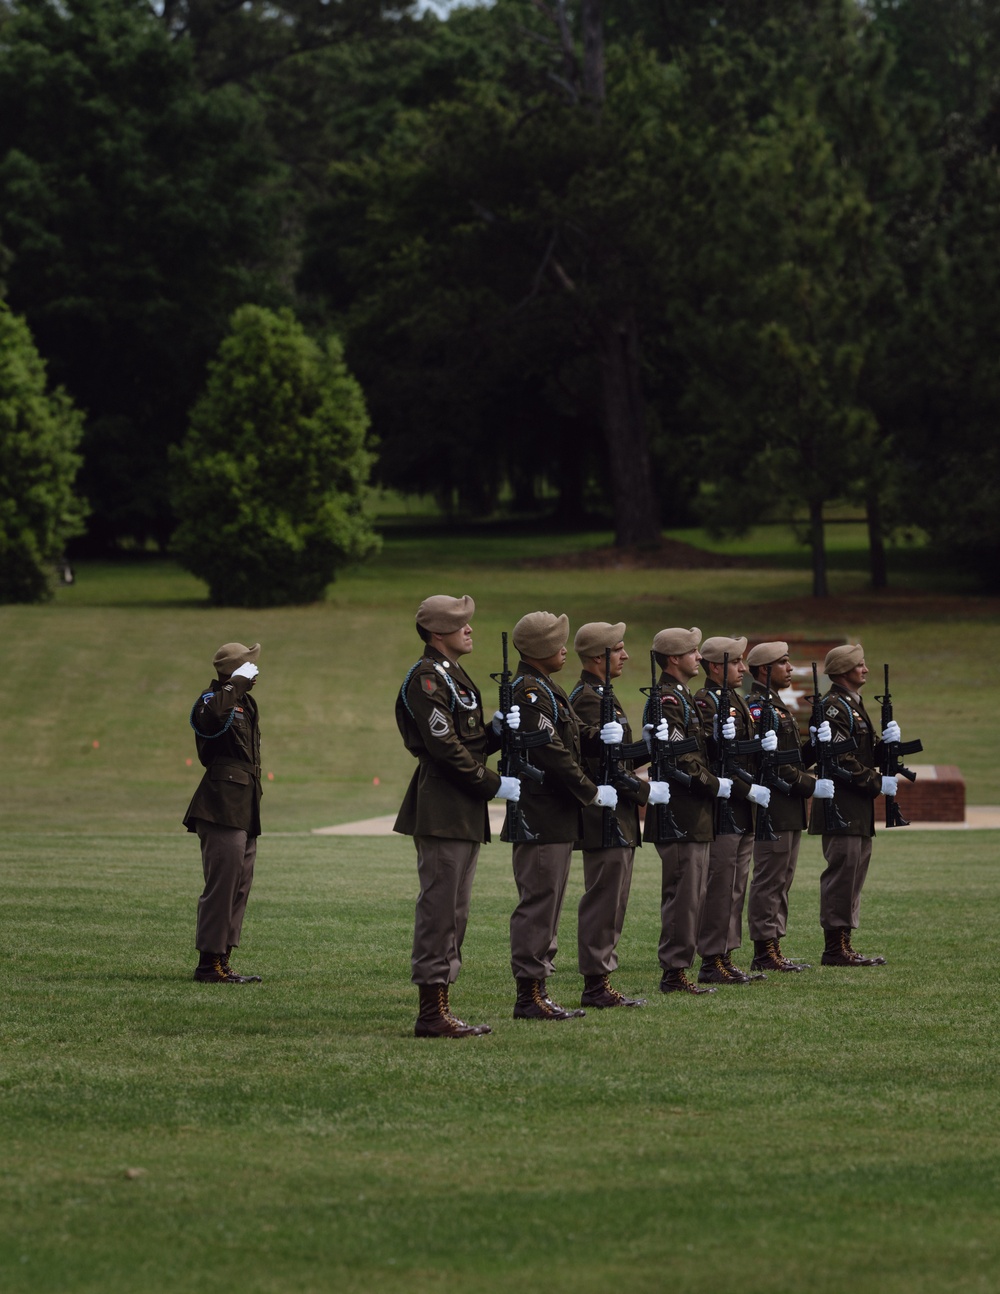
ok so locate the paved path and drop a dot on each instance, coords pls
(978, 817)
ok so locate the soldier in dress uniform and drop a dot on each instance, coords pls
(685, 861)
(721, 930)
(225, 809)
(551, 809)
(848, 851)
(774, 860)
(607, 873)
(439, 714)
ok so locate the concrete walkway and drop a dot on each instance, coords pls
(978, 817)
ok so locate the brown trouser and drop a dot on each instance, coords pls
(842, 880)
(445, 869)
(607, 879)
(773, 872)
(721, 928)
(227, 859)
(540, 873)
(682, 897)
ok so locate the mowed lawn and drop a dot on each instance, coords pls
(817, 1132)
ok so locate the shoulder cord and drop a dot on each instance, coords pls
(211, 736)
(455, 698)
(683, 701)
(850, 712)
(545, 687)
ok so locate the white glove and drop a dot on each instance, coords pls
(769, 741)
(891, 731)
(607, 797)
(248, 671)
(729, 729)
(510, 789)
(725, 788)
(647, 735)
(759, 795)
(612, 733)
(659, 793)
(824, 788)
(663, 731)
(823, 733)
(513, 719)
(889, 785)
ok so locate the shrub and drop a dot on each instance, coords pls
(270, 480)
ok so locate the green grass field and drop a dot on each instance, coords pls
(829, 1130)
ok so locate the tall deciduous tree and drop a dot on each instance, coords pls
(138, 211)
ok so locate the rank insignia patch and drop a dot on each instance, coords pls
(439, 724)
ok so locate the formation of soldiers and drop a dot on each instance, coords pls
(728, 784)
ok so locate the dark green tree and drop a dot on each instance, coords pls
(140, 209)
(39, 435)
(269, 482)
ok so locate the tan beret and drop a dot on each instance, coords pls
(443, 615)
(714, 649)
(540, 634)
(592, 639)
(231, 656)
(767, 653)
(841, 660)
(676, 642)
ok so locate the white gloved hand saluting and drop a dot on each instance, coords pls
(725, 788)
(659, 793)
(247, 671)
(769, 741)
(824, 788)
(607, 797)
(823, 733)
(510, 789)
(891, 731)
(612, 733)
(889, 785)
(729, 729)
(759, 795)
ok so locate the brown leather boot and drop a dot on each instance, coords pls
(676, 981)
(862, 960)
(533, 1003)
(713, 970)
(436, 1020)
(769, 957)
(838, 949)
(740, 977)
(598, 993)
(211, 969)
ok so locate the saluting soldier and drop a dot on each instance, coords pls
(685, 861)
(848, 851)
(439, 714)
(551, 809)
(607, 873)
(225, 809)
(774, 861)
(721, 930)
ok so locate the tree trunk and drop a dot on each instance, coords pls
(817, 540)
(593, 51)
(876, 541)
(625, 437)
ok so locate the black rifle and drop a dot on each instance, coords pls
(825, 756)
(663, 765)
(725, 764)
(514, 761)
(612, 773)
(770, 761)
(892, 763)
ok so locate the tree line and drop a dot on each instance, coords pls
(664, 261)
